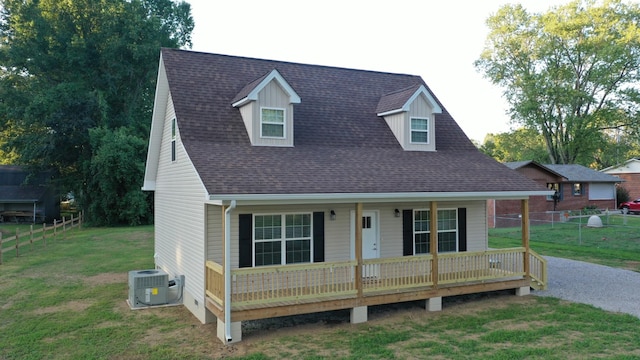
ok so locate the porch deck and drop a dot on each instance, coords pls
(297, 289)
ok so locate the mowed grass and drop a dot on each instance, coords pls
(67, 301)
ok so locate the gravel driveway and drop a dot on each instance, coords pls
(604, 287)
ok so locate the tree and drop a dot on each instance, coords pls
(517, 145)
(67, 67)
(569, 74)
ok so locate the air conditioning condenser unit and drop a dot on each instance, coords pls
(148, 288)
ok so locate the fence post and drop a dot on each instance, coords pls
(71, 220)
(64, 228)
(44, 233)
(55, 227)
(580, 228)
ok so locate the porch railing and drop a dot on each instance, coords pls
(332, 280)
(538, 269)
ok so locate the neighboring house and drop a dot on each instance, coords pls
(284, 188)
(25, 197)
(629, 171)
(576, 187)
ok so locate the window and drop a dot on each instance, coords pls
(577, 189)
(173, 139)
(555, 187)
(282, 239)
(447, 231)
(272, 123)
(420, 130)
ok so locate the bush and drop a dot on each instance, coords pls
(622, 195)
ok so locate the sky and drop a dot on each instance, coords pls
(437, 40)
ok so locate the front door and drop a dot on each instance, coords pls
(370, 241)
(369, 235)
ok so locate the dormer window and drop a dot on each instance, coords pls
(272, 123)
(410, 114)
(419, 130)
(266, 107)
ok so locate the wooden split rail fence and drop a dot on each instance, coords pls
(45, 233)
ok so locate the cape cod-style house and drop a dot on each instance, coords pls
(284, 188)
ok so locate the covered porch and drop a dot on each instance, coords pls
(272, 291)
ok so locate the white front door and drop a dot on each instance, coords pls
(370, 240)
(370, 244)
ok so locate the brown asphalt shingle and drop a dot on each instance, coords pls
(340, 144)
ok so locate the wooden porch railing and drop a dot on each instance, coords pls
(332, 280)
(538, 270)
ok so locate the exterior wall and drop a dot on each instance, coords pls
(396, 124)
(541, 210)
(179, 218)
(420, 108)
(338, 245)
(631, 183)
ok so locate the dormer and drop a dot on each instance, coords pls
(410, 114)
(266, 106)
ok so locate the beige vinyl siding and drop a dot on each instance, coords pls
(396, 124)
(179, 217)
(338, 231)
(420, 108)
(247, 116)
(272, 96)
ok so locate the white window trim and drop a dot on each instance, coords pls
(411, 130)
(413, 224)
(284, 123)
(283, 239)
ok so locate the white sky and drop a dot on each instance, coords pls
(437, 40)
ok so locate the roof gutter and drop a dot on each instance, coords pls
(227, 270)
(267, 199)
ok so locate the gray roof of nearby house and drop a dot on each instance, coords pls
(13, 188)
(340, 144)
(579, 173)
(571, 172)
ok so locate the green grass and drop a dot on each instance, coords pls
(615, 244)
(67, 301)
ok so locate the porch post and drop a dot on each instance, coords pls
(358, 228)
(433, 241)
(525, 235)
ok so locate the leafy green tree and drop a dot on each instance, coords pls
(569, 74)
(517, 145)
(70, 66)
(115, 172)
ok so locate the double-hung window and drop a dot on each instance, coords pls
(272, 124)
(282, 239)
(447, 231)
(420, 130)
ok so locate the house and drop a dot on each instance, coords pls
(576, 187)
(283, 188)
(26, 197)
(629, 171)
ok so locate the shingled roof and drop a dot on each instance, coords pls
(340, 144)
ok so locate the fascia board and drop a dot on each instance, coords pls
(335, 198)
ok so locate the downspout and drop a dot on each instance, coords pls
(227, 270)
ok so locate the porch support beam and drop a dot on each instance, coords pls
(433, 241)
(358, 227)
(525, 236)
